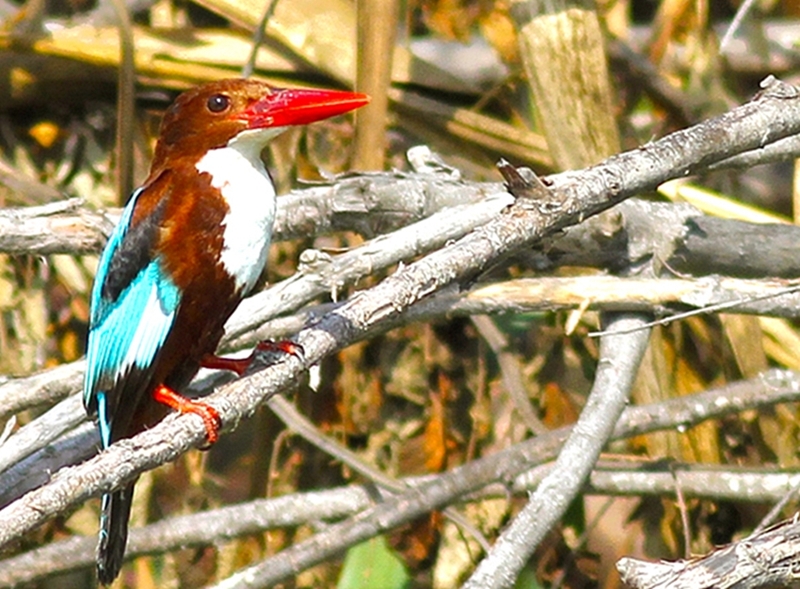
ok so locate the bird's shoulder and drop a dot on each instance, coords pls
(133, 242)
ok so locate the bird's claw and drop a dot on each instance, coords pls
(181, 404)
(282, 346)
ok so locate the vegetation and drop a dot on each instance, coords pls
(450, 306)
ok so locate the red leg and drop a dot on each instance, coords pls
(240, 365)
(211, 419)
(237, 365)
(284, 346)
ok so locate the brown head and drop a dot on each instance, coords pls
(212, 115)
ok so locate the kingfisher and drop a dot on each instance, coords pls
(192, 241)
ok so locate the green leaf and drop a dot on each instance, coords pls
(527, 579)
(373, 565)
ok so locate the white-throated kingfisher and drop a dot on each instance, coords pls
(191, 243)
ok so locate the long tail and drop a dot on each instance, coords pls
(116, 509)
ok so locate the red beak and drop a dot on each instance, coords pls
(300, 106)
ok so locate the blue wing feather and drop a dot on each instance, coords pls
(127, 330)
(112, 246)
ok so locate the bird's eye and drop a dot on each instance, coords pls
(218, 103)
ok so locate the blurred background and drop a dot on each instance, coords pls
(83, 85)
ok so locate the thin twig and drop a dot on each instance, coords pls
(126, 114)
(517, 296)
(258, 38)
(500, 467)
(511, 370)
(616, 371)
(774, 387)
(305, 429)
(575, 195)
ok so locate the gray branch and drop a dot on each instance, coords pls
(607, 293)
(572, 197)
(501, 467)
(774, 387)
(617, 367)
(517, 296)
(769, 559)
(260, 515)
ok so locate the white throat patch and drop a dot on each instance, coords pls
(237, 171)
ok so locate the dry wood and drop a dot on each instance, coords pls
(573, 197)
(769, 559)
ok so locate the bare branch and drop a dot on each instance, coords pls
(770, 559)
(775, 113)
(503, 466)
(370, 204)
(607, 293)
(76, 446)
(260, 515)
(720, 482)
(60, 419)
(616, 371)
(58, 227)
(511, 369)
(774, 387)
(44, 388)
(199, 529)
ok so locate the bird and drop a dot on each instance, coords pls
(191, 242)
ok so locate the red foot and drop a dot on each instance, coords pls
(211, 419)
(240, 365)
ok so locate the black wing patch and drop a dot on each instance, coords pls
(133, 254)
